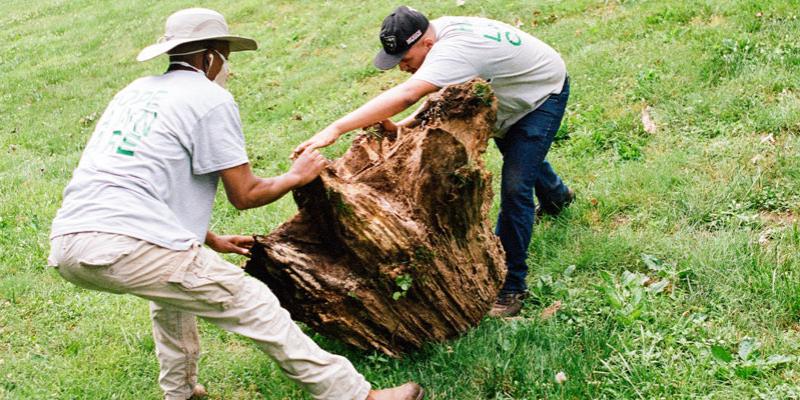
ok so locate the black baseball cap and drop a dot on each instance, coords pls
(399, 31)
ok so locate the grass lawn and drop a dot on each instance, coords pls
(707, 206)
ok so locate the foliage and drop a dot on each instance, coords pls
(403, 282)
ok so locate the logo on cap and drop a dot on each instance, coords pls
(389, 42)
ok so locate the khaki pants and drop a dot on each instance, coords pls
(197, 282)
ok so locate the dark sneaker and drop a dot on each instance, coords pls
(555, 209)
(507, 305)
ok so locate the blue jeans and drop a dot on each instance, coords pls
(525, 172)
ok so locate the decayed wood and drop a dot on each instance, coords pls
(392, 246)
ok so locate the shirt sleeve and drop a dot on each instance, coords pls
(444, 66)
(217, 140)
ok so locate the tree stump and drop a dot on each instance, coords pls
(392, 246)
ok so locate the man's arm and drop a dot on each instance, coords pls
(245, 190)
(407, 120)
(391, 126)
(385, 105)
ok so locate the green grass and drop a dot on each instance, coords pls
(706, 194)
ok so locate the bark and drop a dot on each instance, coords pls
(392, 246)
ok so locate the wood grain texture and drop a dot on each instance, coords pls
(397, 210)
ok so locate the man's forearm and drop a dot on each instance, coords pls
(261, 191)
(385, 105)
(266, 190)
(210, 237)
(405, 121)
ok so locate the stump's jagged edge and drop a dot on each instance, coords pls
(392, 246)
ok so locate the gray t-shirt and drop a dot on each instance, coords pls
(523, 71)
(151, 167)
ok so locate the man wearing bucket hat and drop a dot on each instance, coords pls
(530, 81)
(139, 204)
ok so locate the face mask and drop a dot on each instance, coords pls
(222, 76)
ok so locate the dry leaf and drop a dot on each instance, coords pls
(756, 159)
(768, 139)
(647, 121)
(549, 312)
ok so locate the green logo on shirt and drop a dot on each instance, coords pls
(493, 32)
(128, 120)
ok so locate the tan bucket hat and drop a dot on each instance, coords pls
(191, 25)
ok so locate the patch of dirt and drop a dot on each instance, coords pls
(620, 220)
(783, 219)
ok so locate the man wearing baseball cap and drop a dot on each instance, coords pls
(137, 210)
(530, 81)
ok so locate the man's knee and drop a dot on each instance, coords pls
(515, 191)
